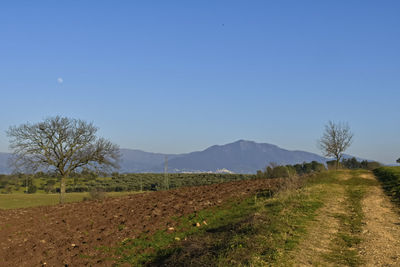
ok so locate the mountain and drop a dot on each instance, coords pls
(4, 163)
(134, 160)
(240, 157)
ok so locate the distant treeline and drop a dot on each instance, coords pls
(155, 181)
(276, 171)
(353, 163)
(86, 182)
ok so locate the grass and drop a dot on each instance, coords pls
(21, 200)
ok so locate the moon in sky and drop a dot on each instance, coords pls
(60, 80)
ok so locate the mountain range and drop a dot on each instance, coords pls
(239, 157)
(4, 163)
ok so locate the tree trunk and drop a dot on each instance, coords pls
(62, 190)
(337, 163)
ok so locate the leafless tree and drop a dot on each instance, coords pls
(335, 140)
(63, 145)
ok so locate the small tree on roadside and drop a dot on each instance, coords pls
(62, 145)
(336, 138)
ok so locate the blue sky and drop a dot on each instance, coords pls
(178, 76)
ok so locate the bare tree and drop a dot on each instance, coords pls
(63, 145)
(335, 140)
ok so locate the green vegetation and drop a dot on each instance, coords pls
(390, 179)
(14, 201)
(353, 163)
(276, 171)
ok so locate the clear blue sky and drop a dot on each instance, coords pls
(178, 76)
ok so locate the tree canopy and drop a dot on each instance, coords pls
(63, 145)
(336, 138)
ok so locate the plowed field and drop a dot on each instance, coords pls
(59, 235)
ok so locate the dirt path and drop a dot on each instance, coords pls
(381, 233)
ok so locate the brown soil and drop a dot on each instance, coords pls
(381, 233)
(59, 235)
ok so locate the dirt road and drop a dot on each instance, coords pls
(381, 233)
(358, 226)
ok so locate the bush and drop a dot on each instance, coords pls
(390, 179)
(49, 189)
(7, 190)
(77, 189)
(280, 171)
(120, 188)
(332, 165)
(97, 193)
(32, 189)
(353, 163)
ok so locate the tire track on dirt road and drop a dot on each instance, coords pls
(380, 226)
(381, 233)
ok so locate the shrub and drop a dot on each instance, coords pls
(287, 171)
(353, 163)
(332, 165)
(7, 190)
(97, 193)
(390, 179)
(32, 189)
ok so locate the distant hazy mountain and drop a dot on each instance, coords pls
(134, 160)
(239, 157)
(4, 163)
